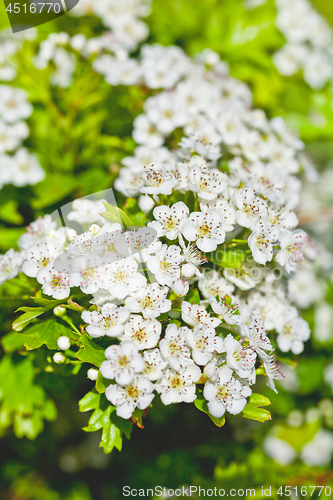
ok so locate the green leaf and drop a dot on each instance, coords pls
(193, 297)
(46, 333)
(52, 189)
(90, 401)
(100, 383)
(23, 403)
(115, 214)
(252, 410)
(90, 352)
(259, 400)
(33, 312)
(101, 419)
(201, 403)
(13, 342)
(30, 314)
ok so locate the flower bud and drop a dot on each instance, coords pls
(188, 270)
(59, 311)
(63, 343)
(92, 373)
(58, 358)
(180, 287)
(146, 203)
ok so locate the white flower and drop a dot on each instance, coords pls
(292, 330)
(157, 181)
(203, 343)
(109, 321)
(54, 283)
(258, 339)
(139, 243)
(206, 229)
(165, 112)
(208, 184)
(165, 265)
(145, 333)
(146, 132)
(291, 252)
(196, 314)
(88, 273)
(178, 386)
(192, 257)
(150, 300)
(154, 364)
(272, 371)
(249, 206)
(261, 243)
(14, 104)
(239, 358)
(173, 347)
(38, 256)
(10, 264)
(36, 231)
(212, 283)
(123, 361)
(226, 309)
(26, 168)
(136, 394)
(226, 394)
(123, 278)
(169, 221)
(87, 211)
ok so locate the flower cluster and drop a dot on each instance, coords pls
(188, 300)
(125, 31)
(309, 43)
(17, 165)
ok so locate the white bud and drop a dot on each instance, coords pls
(188, 270)
(58, 358)
(59, 311)
(63, 343)
(92, 373)
(146, 203)
(180, 287)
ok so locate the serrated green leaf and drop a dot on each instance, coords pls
(101, 419)
(202, 405)
(90, 352)
(125, 426)
(90, 401)
(33, 312)
(46, 333)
